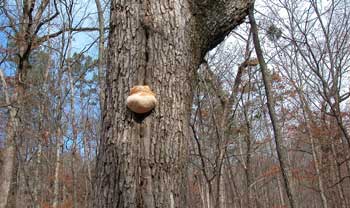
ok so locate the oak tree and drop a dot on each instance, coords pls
(142, 162)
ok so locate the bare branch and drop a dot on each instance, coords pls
(53, 35)
(11, 18)
(341, 180)
(44, 21)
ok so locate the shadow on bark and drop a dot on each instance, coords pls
(139, 117)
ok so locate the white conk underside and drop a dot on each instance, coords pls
(141, 103)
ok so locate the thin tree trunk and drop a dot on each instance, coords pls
(279, 185)
(74, 145)
(337, 174)
(88, 178)
(42, 132)
(57, 168)
(8, 158)
(222, 188)
(247, 169)
(207, 188)
(234, 195)
(315, 157)
(59, 131)
(318, 173)
(205, 194)
(271, 106)
(37, 181)
(101, 56)
(59, 143)
(280, 191)
(73, 123)
(10, 148)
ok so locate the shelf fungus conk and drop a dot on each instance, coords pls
(141, 99)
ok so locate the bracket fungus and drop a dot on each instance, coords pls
(141, 99)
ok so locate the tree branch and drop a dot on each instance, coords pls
(38, 16)
(217, 18)
(341, 180)
(10, 17)
(80, 29)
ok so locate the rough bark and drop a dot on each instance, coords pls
(271, 106)
(142, 161)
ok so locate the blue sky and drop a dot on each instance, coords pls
(82, 9)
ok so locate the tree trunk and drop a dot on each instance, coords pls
(271, 106)
(142, 161)
(280, 191)
(37, 180)
(74, 127)
(9, 153)
(309, 119)
(56, 183)
(8, 159)
(337, 176)
(101, 61)
(86, 146)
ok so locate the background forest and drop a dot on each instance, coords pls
(233, 154)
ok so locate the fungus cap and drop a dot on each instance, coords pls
(141, 99)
